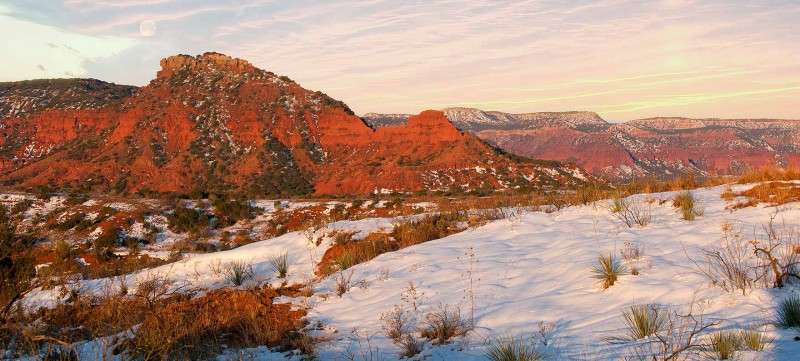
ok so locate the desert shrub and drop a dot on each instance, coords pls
(631, 251)
(681, 336)
(724, 345)
(63, 250)
(184, 219)
(589, 194)
(233, 210)
(281, 264)
(686, 205)
(238, 272)
(631, 213)
(731, 266)
(241, 238)
(512, 349)
(21, 207)
(728, 194)
(608, 269)
(70, 222)
(395, 323)
(106, 242)
(343, 282)
(343, 237)
(788, 312)
(17, 271)
(443, 324)
(76, 198)
(410, 346)
(642, 321)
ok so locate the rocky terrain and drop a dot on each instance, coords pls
(656, 147)
(215, 124)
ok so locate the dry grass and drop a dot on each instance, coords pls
(199, 328)
(769, 174)
(771, 193)
(170, 325)
(342, 256)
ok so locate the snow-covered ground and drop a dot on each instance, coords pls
(529, 268)
(538, 268)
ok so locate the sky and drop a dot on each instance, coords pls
(622, 59)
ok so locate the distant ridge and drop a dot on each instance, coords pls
(663, 147)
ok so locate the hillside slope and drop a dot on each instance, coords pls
(216, 124)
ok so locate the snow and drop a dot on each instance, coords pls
(537, 268)
(529, 268)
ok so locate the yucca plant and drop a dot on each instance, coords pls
(643, 321)
(789, 312)
(608, 269)
(238, 272)
(723, 345)
(281, 264)
(512, 349)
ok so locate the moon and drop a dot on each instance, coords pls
(147, 28)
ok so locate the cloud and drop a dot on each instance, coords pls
(624, 57)
(37, 51)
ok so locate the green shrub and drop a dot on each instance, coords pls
(184, 219)
(231, 211)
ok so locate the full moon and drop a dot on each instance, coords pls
(147, 28)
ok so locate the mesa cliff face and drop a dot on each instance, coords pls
(655, 147)
(212, 123)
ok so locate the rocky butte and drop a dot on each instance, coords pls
(214, 124)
